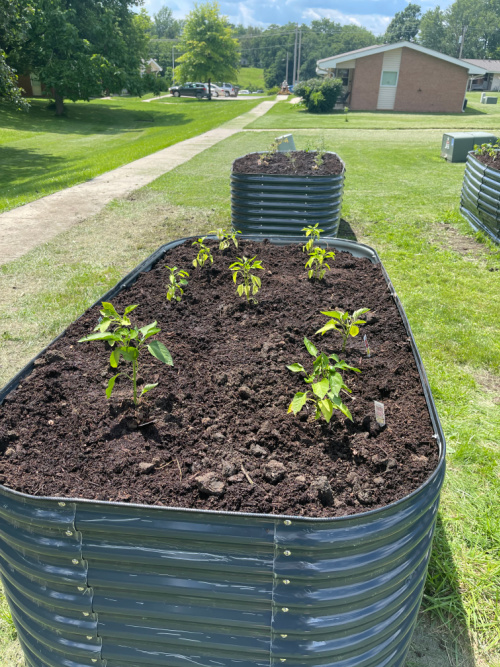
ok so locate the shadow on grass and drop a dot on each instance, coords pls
(24, 166)
(443, 607)
(346, 231)
(89, 118)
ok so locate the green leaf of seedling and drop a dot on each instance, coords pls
(340, 406)
(296, 368)
(359, 312)
(133, 334)
(156, 330)
(336, 383)
(111, 384)
(321, 388)
(144, 330)
(129, 309)
(332, 313)
(310, 347)
(353, 330)
(103, 325)
(129, 353)
(345, 315)
(310, 274)
(148, 387)
(326, 407)
(100, 336)
(114, 358)
(240, 290)
(159, 351)
(108, 310)
(257, 281)
(328, 326)
(298, 402)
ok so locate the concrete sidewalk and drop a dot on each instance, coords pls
(27, 226)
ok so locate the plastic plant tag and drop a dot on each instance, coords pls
(367, 347)
(379, 413)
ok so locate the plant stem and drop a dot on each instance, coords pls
(134, 380)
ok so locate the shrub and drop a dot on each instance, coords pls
(274, 90)
(319, 95)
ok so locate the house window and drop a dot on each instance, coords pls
(389, 79)
(344, 75)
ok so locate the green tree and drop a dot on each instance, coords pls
(14, 23)
(480, 20)
(80, 48)
(404, 26)
(210, 51)
(165, 26)
(433, 30)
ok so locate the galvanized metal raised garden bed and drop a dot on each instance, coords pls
(283, 205)
(480, 200)
(115, 585)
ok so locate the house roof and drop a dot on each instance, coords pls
(491, 66)
(335, 61)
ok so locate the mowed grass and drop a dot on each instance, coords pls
(401, 198)
(251, 78)
(292, 116)
(40, 153)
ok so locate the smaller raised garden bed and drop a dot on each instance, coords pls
(480, 199)
(280, 193)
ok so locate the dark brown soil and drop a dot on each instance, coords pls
(491, 162)
(292, 163)
(215, 433)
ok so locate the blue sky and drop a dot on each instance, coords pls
(372, 14)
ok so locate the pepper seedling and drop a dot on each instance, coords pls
(177, 279)
(326, 384)
(316, 263)
(127, 342)
(314, 233)
(204, 255)
(225, 236)
(251, 284)
(348, 325)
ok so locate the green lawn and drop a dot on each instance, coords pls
(251, 78)
(401, 198)
(40, 153)
(291, 116)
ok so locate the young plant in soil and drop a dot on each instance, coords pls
(127, 342)
(316, 263)
(204, 255)
(492, 150)
(251, 284)
(177, 279)
(326, 384)
(225, 236)
(320, 154)
(314, 233)
(348, 325)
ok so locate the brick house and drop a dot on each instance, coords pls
(400, 77)
(490, 81)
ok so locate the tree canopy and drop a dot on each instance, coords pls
(79, 48)
(405, 25)
(210, 50)
(14, 23)
(165, 26)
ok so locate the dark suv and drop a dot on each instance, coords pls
(198, 90)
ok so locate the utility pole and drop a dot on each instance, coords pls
(294, 75)
(298, 58)
(173, 65)
(461, 40)
(286, 77)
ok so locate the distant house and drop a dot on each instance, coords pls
(150, 67)
(488, 81)
(31, 86)
(400, 77)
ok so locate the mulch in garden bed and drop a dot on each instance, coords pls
(291, 163)
(215, 433)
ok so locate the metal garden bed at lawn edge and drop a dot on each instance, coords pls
(480, 199)
(122, 585)
(282, 205)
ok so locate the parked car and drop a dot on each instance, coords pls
(189, 89)
(229, 89)
(215, 90)
(244, 92)
(259, 91)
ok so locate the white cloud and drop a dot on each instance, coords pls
(377, 23)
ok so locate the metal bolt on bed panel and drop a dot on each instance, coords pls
(62, 504)
(75, 561)
(86, 613)
(287, 522)
(282, 659)
(285, 609)
(284, 636)
(81, 588)
(286, 581)
(69, 533)
(89, 636)
(287, 553)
